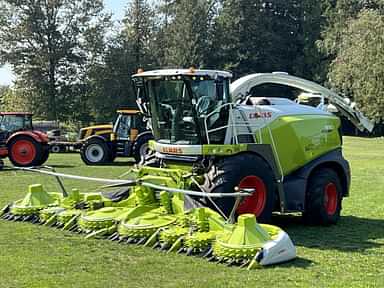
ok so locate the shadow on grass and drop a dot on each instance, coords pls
(128, 162)
(120, 163)
(298, 262)
(12, 168)
(350, 234)
(62, 166)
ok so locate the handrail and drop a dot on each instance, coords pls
(119, 183)
(233, 126)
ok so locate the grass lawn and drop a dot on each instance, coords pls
(349, 254)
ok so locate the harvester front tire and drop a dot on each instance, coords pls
(24, 151)
(95, 152)
(140, 149)
(323, 198)
(243, 171)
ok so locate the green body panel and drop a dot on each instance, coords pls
(301, 139)
(224, 150)
(298, 140)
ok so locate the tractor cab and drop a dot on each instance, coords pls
(128, 124)
(11, 122)
(183, 105)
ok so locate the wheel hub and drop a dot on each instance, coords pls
(255, 203)
(330, 198)
(94, 153)
(23, 152)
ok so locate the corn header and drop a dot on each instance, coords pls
(158, 216)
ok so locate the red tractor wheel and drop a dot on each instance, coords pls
(24, 151)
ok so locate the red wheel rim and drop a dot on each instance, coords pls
(255, 203)
(23, 152)
(330, 199)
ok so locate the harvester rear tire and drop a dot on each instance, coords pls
(95, 151)
(24, 151)
(140, 149)
(248, 171)
(323, 198)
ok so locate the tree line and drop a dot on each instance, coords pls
(73, 63)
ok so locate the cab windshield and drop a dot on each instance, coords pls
(13, 123)
(178, 105)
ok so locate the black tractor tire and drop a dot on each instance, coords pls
(112, 156)
(24, 151)
(243, 171)
(45, 154)
(140, 149)
(95, 151)
(56, 148)
(1, 164)
(323, 198)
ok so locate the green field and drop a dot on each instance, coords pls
(350, 254)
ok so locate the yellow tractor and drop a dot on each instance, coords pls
(127, 137)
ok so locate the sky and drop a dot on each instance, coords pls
(6, 76)
(117, 7)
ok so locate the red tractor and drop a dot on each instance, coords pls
(24, 146)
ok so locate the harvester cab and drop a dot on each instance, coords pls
(182, 106)
(18, 140)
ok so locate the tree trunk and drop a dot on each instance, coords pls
(52, 112)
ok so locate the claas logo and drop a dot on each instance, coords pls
(172, 150)
(257, 115)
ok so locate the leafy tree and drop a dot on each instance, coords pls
(138, 32)
(110, 83)
(49, 45)
(131, 48)
(264, 36)
(186, 32)
(337, 14)
(358, 68)
(310, 23)
(3, 91)
(11, 100)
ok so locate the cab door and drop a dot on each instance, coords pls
(122, 127)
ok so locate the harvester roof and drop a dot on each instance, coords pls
(186, 72)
